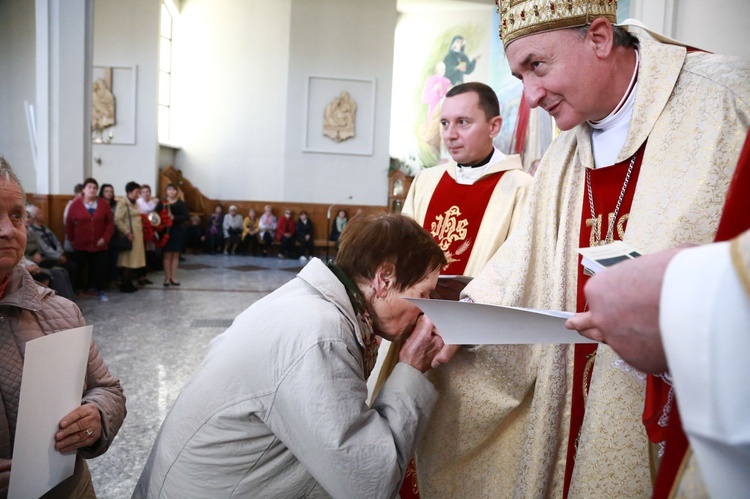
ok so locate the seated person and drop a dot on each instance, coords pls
(216, 230)
(196, 235)
(232, 227)
(338, 226)
(305, 236)
(50, 247)
(33, 312)
(250, 232)
(278, 406)
(52, 276)
(285, 229)
(267, 225)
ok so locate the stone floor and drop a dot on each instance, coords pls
(155, 338)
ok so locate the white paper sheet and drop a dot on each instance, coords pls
(463, 323)
(54, 369)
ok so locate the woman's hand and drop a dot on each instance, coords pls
(130, 236)
(422, 345)
(446, 354)
(81, 428)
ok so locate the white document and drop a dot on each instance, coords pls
(54, 369)
(463, 323)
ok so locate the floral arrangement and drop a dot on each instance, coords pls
(159, 235)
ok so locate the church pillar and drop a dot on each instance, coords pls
(64, 53)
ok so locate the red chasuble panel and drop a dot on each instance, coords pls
(454, 216)
(606, 186)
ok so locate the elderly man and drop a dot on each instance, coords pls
(31, 311)
(635, 114)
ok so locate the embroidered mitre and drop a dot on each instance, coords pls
(519, 18)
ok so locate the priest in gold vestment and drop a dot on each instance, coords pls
(669, 122)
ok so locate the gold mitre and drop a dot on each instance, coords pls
(520, 18)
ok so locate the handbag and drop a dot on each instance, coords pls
(120, 241)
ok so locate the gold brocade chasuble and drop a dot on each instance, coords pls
(501, 426)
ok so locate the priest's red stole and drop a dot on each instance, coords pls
(454, 216)
(735, 219)
(606, 186)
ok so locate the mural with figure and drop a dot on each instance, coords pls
(435, 50)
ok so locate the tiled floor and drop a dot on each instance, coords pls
(149, 341)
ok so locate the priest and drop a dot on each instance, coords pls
(651, 132)
(469, 205)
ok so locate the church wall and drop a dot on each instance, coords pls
(342, 39)
(719, 26)
(17, 83)
(229, 96)
(127, 34)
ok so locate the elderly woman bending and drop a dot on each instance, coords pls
(30, 311)
(277, 408)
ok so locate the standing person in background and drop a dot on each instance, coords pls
(250, 232)
(305, 236)
(232, 227)
(146, 205)
(128, 222)
(267, 225)
(89, 228)
(216, 230)
(338, 226)
(77, 192)
(31, 311)
(178, 210)
(285, 230)
(107, 192)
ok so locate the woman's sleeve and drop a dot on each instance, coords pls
(320, 414)
(121, 214)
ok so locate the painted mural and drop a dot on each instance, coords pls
(435, 50)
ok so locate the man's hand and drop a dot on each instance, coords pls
(63, 260)
(422, 345)
(624, 310)
(81, 428)
(37, 257)
(101, 242)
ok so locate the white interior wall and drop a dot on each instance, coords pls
(17, 84)
(720, 26)
(229, 96)
(127, 34)
(347, 39)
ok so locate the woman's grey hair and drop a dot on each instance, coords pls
(7, 174)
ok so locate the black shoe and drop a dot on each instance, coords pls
(144, 282)
(173, 283)
(127, 287)
(181, 258)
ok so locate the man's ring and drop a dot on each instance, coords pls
(89, 432)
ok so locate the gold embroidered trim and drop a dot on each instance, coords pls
(520, 18)
(741, 262)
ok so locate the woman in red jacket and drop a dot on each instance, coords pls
(89, 227)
